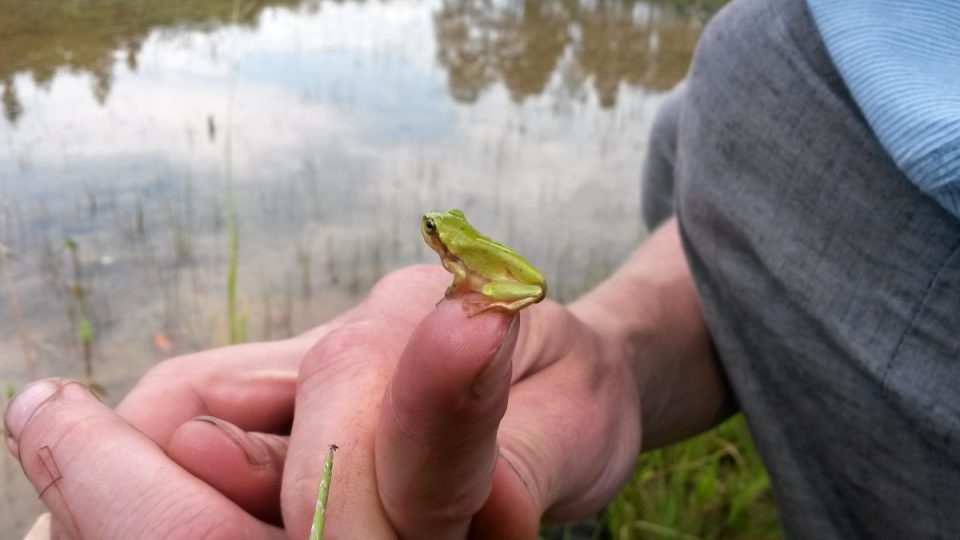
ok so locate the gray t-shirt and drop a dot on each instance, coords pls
(829, 282)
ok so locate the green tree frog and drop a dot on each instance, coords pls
(480, 264)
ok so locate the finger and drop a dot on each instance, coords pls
(101, 478)
(341, 386)
(510, 512)
(436, 443)
(252, 386)
(572, 454)
(340, 390)
(246, 467)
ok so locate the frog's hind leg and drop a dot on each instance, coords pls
(508, 296)
(476, 307)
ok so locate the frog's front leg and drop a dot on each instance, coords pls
(508, 296)
(460, 281)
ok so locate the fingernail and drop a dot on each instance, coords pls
(23, 405)
(495, 372)
(256, 454)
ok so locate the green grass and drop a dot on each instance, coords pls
(323, 491)
(236, 318)
(713, 486)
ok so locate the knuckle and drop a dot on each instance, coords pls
(57, 417)
(345, 351)
(194, 523)
(166, 371)
(434, 513)
(403, 275)
(407, 277)
(175, 515)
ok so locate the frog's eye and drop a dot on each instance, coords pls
(430, 226)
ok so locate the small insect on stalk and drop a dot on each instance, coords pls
(320, 513)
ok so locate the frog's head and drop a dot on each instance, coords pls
(437, 228)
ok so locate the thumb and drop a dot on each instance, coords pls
(436, 442)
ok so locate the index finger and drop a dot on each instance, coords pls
(252, 386)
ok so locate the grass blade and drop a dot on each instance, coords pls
(320, 513)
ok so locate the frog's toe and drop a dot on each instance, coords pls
(476, 307)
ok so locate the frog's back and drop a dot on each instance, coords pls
(501, 260)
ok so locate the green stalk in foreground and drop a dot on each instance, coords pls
(320, 513)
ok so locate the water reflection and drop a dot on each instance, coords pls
(135, 130)
(524, 44)
(43, 37)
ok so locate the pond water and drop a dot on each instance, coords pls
(139, 138)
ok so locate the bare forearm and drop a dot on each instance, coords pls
(649, 310)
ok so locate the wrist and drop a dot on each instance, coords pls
(648, 313)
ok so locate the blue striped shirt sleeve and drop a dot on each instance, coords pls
(900, 60)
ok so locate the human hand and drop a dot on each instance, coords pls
(107, 474)
(429, 447)
(421, 462)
